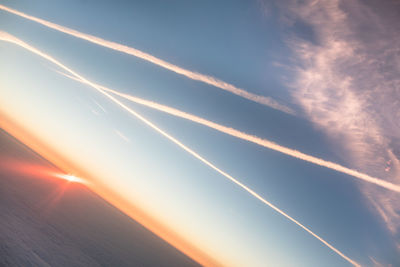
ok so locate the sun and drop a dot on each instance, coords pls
(69, 177)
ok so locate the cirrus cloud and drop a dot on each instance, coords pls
(346, 81)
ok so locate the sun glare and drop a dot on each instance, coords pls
(69, 177)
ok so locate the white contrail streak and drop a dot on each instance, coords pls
(145, 56)
(9, 38)
(252, 138)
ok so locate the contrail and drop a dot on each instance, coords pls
(145, 56)
(251, 138)
(9, 38)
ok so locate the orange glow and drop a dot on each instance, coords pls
(26, 168)
(35, 170)
(10, 124)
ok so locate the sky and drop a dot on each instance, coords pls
(327, 70)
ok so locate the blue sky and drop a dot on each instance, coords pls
(252, 45)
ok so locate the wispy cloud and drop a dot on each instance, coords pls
(9, 38)
(346, 80)
(376, 263)
(267, 101)
(100, 106)
(122, 136)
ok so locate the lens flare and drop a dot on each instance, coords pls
(32, 169)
